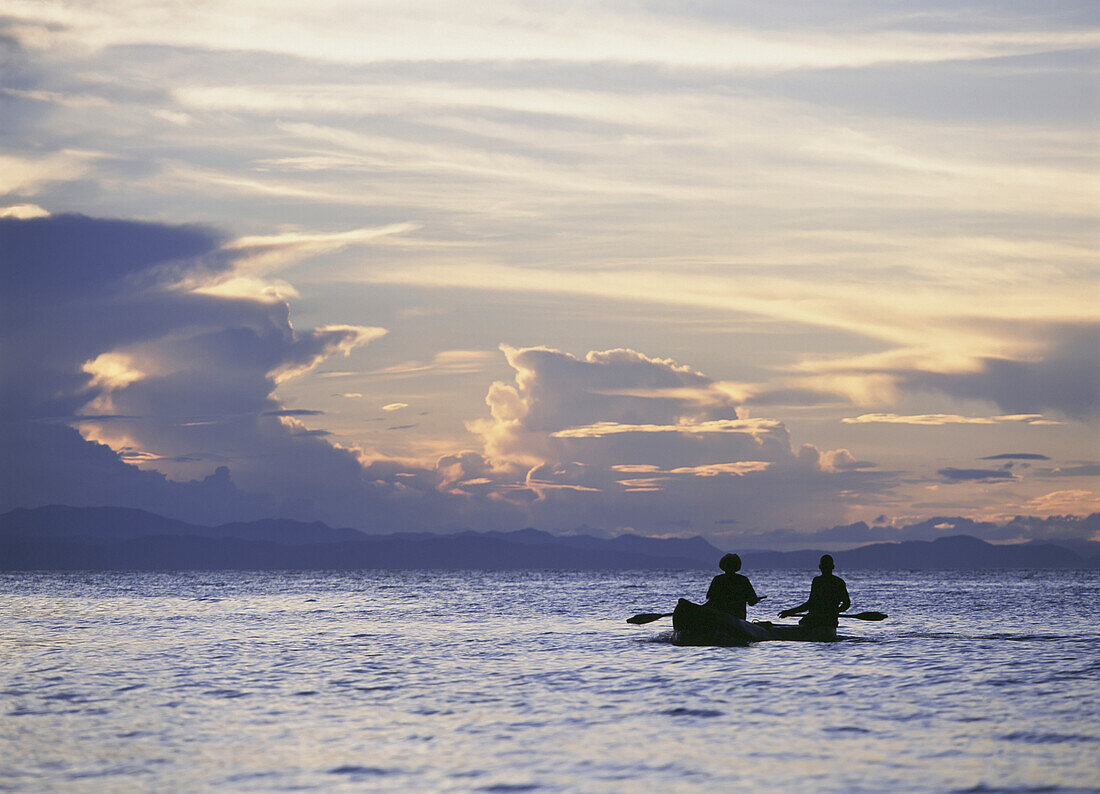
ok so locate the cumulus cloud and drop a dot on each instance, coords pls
(623, 439)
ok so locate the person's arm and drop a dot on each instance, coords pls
(803, 607)
(845, 602)
(752, 599)
(714, 587)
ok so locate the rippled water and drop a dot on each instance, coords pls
(421, 681)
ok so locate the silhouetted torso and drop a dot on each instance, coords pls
(828, 598)
(730, 592)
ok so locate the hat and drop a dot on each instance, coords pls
(730, 563)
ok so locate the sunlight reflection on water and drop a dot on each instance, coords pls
(533, 681)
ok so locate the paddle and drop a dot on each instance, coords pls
(648, 617)
(859, 616)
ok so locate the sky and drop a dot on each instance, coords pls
(741, 270)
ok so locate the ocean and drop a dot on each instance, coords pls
(430, 681)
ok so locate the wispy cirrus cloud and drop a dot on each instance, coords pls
(509, 31)
(936, 420)
(452, 362)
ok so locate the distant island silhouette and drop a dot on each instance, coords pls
(58, 537)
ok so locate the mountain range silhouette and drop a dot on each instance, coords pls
(58, 537)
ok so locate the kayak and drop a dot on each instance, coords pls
(695, 624)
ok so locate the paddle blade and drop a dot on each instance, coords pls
(648, 617)
(867, 616)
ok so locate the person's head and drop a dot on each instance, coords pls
(730, 563)
(826, 563)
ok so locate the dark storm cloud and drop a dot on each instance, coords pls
(103, 316)
(974, 475)
(1016, 456)
(88, 257)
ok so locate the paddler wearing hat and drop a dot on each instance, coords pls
(730, 591)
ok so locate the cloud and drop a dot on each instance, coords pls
(936, 420)
(1080, 470)
(625, 440)
(28, 175)
(725, 39)
(454, 362)
(23, 211)
(843, 460)
(262, 254)
(1065, 378)
(1017, 528)
(1016, 456)
(105, 323)
(975, 475)
(394, 406)
(1069, 501)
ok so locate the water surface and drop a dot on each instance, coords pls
(483, 681)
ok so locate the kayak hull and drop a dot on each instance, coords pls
(696, 624)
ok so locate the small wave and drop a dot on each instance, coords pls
(982, 788)
(1004, 637)
(1031, 737)
(686, 712)
(373, 771)
(228, 694)
(114, 771)
(502, 788)
(68, 697)
(845, 729)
